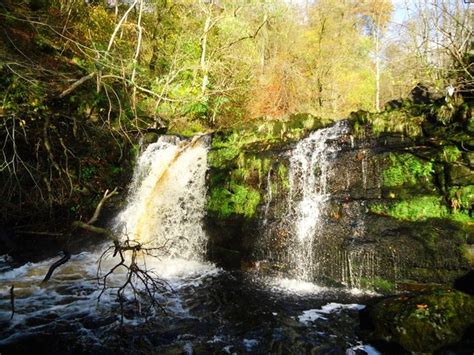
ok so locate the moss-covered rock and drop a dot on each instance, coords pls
(419, 209)
(423, 322)
(236, 200)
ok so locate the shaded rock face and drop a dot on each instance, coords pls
(385, 216)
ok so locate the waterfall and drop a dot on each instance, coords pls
(316, 232)
(308, 196)
(167, 198)
(268, 198)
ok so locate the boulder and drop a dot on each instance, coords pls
(422, 322)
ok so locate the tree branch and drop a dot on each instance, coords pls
(250, 36)
(89, 227)
(98, 230)
(98, 209)
(76, 84)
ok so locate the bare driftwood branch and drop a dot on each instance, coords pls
(144, 284)
(134, 274)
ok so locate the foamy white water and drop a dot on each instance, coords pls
(167, 198)
(294, 286)
(309, 164)
(311, 315)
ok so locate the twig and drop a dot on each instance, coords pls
(49, 234)
(249, 36)
(134, 274)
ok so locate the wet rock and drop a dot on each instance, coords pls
(422, 322)
(150, 137)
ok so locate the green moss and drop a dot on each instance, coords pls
(222, 157)
(405, 169)
(252, 165)
(240, 165)
(193, 128)
(398, 121)
(419, 209)
(446, 113)
(461, 217)
(282, 172)
(378, 284)
(415, 209)
(237, 200)
(450, 154)
(220, 202)
(383, 286)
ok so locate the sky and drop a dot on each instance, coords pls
(400, 8)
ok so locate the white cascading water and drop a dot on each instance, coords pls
(309, 164)
(167, 199)
(268, 198)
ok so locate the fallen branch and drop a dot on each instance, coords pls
(12, 300)
(134, 274)
(58, 263)
(98, 230)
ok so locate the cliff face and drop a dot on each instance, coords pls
(397, 201)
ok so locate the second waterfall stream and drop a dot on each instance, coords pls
(308, 196)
